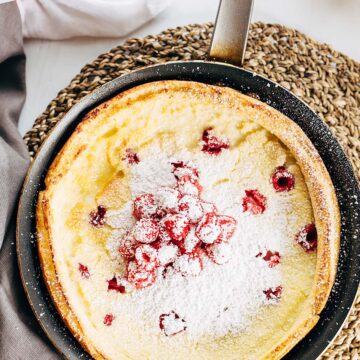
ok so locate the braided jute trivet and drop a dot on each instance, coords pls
(328, 81)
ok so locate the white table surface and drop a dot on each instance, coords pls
(52, 64)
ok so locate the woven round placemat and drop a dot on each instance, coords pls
(328, 81)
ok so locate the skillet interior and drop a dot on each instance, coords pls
(334, 158)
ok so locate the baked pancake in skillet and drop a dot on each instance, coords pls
(184, 220)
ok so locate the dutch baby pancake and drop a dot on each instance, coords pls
(185, 220)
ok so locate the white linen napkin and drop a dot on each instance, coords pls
(62, 19)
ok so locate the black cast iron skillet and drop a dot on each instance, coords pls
(348, 194)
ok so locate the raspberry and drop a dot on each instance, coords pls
(273, 294)
(307, 238)
(228, 226)
(190, 206)
(171, 324)
(163, 237)
(176, 225)
(254, 202)
(219, 253)
(108, 319)
(131, 157)
(212, 144)
(282, 179)
(272, 258)
(168, 200)
(181, 169)
(146, 257)
(139, 277)
(97, 218)
(128, 245)
(146, 231)
(208, 207)
(189, 264)
(167, 254)
(118, 284)
(145, 206)
(208, 229)
(190, 242)
(84, 271)
(188, 185)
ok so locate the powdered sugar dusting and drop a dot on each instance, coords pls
(167, 254)
(113, 243)
(219, 253)
(120, 219)
(187, 265)
(215, 301)
(218, 299)
(153, 173)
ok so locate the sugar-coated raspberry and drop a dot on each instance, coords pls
(131, 157)
(189, 185)
(212, 144)
(139, 277)
(171, 324)
(84, 271)
(119, 284)
(167, 254)
(145, 206)
(181, 169)
(108, 319)
(208, 229)
(190, 242)
(208, 207)
(163, 237)
(254, 202)
(97, 218)
(176, 225)
(219, 253)
(168, 200)
(189, 264)
(146, 257)
(273, 294)
(228, 226)
(190, 206)
(146, 231)
(128, 245)
(282, 179)
(307, 238)
(272, 258)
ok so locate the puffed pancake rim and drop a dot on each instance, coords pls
(174, 113)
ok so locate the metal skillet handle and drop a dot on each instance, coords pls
(231, 29)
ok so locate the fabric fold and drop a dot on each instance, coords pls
(62, 19)
(21, 337)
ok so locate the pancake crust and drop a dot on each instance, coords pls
(103, 120)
